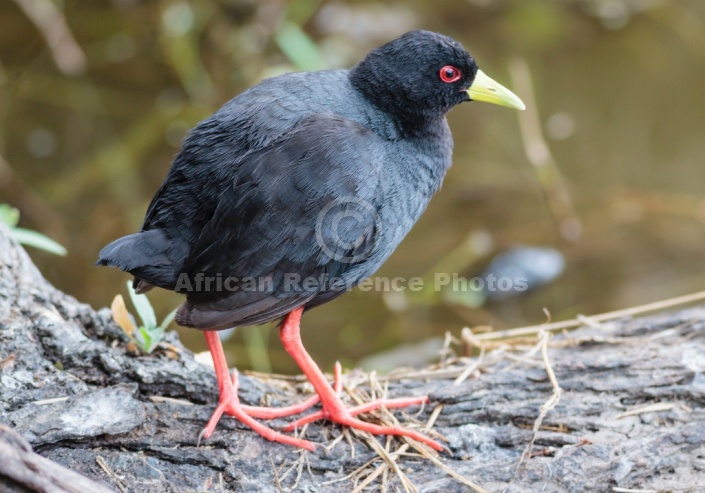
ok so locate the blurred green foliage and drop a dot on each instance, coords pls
(10, 217)
(90, 120)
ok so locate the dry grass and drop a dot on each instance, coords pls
(527, 346)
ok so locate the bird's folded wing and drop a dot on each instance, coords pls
(289, 218)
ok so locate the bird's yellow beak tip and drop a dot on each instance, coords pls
(487, 90)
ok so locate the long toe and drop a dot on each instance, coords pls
(390, 430)
(280, 412)
(346, 417)
(233, 408)
(283, 412)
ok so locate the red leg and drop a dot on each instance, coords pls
(230, 404)
(333, 407)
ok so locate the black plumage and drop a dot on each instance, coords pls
(304, 184)
(243, 196)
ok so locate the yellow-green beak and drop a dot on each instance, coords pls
(485, 89)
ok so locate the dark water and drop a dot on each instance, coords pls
(617, 95)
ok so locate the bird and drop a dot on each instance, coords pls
(292, 193)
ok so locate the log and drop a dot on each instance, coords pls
(630, 412)
(23, 470)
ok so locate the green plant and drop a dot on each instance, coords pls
(148, 335)
(10, 217)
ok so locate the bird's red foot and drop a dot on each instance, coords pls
(337, 413)
(229, 403)
(333, 408)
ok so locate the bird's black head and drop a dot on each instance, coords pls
(421, 75)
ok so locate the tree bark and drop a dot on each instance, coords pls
(102, 419)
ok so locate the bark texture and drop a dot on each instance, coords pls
(98, 420)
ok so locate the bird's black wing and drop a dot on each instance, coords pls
(290, 217)
(202, 172)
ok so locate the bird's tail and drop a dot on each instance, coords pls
(151, 256)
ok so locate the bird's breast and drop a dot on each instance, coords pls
(408, 182)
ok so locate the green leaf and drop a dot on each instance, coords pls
(301, 51)
(37, 240)
(168, 319)
(9, 216)
(143, 307)
(151, 338)
(145, 339)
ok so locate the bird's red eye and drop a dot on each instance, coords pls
(450, 74)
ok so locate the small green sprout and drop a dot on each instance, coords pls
(148, 335)
(10, 217)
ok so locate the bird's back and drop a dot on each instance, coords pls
(213, 172)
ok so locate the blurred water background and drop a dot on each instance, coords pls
(604, 174)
